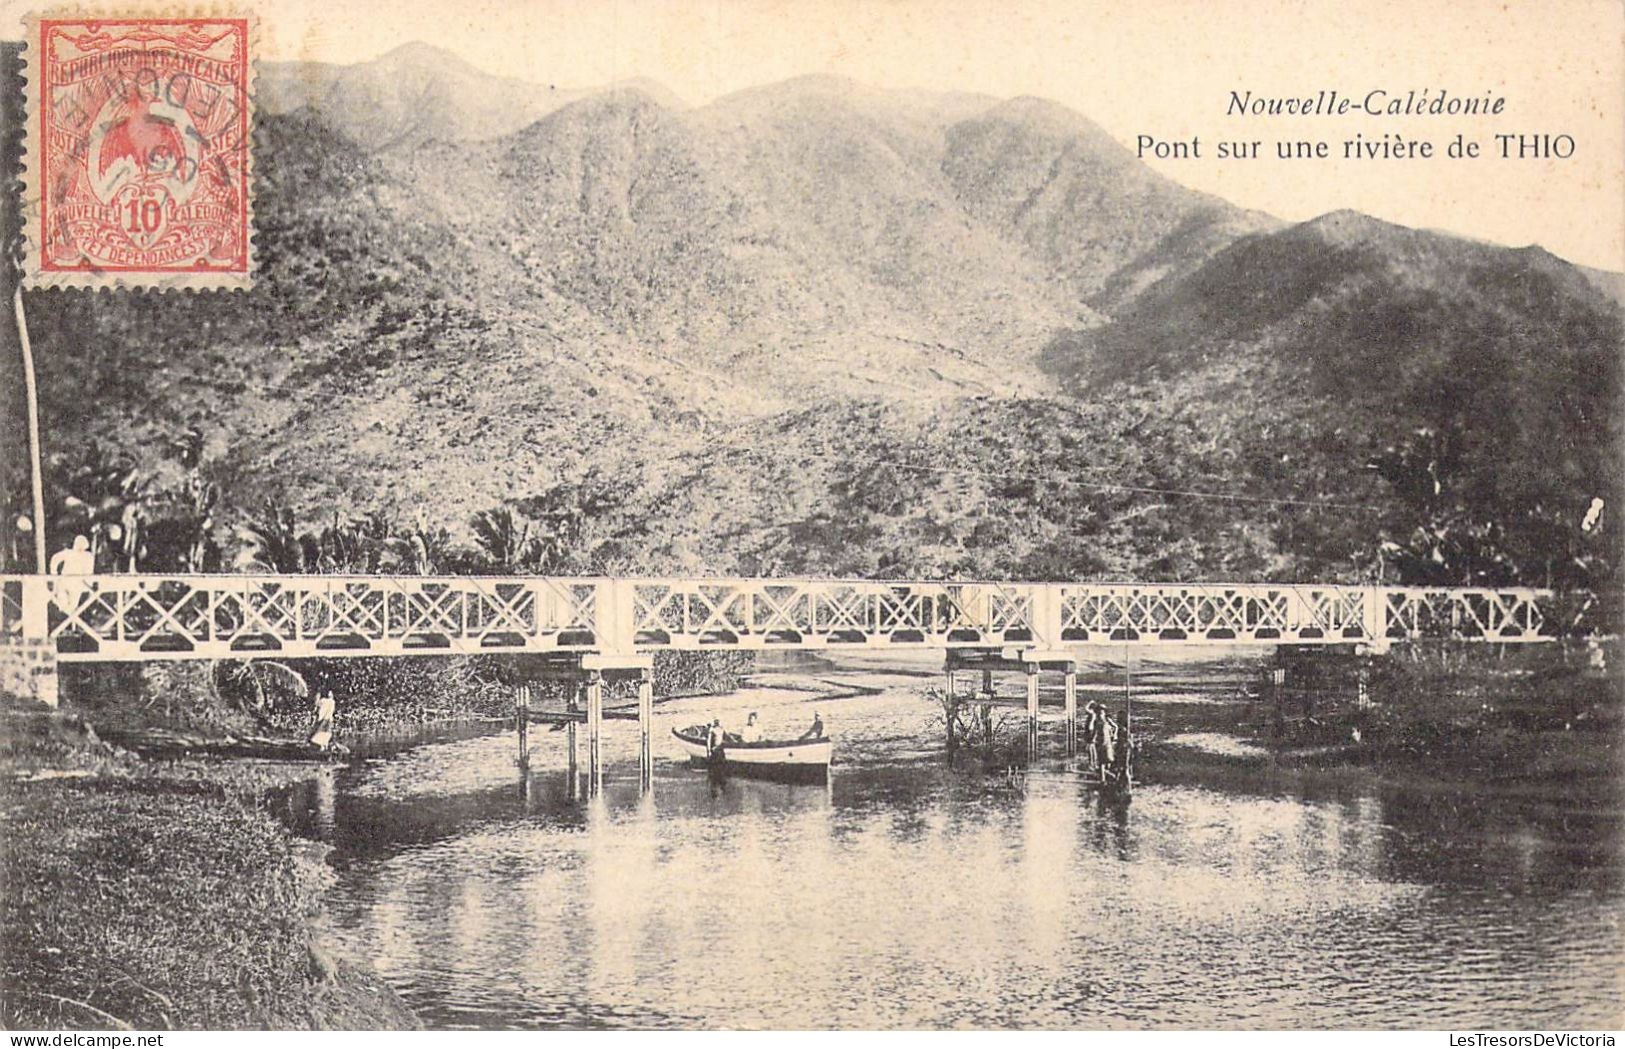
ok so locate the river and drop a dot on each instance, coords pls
(1229, 893)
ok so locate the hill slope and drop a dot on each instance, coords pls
(1346, 345)
(801, 329)
(416, 93)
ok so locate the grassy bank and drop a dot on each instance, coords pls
(1534, 717)
(1537, 720)
(160, 895)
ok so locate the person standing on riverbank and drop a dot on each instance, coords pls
(322, 735)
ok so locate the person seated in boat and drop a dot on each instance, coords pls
(322, 734)
(817, 729)
(715, 737)
(752, 732)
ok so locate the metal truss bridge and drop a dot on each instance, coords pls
(161, 617)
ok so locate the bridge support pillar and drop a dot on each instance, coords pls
(1071, 710)
(595, 733)
(1032, 712)
(646, 714)
(572, 737)
(28, 670)
(521, 718)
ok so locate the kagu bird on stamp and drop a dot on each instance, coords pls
(139, 163)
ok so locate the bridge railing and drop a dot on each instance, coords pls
(124, 617)
(119, 617)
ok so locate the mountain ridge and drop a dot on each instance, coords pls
(884, 332)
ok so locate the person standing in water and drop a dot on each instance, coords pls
(1094, 731)
(322, 734)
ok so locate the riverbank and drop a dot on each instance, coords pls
(1535, 722)
(160, 895)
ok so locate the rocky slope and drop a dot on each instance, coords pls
(743, 311)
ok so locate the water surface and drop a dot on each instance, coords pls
(903, 894)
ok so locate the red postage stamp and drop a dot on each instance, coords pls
(139, 167)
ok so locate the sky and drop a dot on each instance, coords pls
(1159, 68)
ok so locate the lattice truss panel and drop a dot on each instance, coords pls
(683, 613)
(1124, 613)
(1490, 615)
(137, 617)
(115, 617)
(1299, 613)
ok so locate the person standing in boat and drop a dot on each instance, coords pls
(322, 735)
(715, 738)
(752, 732)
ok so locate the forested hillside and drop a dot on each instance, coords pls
(819, 328)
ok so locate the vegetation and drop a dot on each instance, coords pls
(159, 895)
(1542, 718)
(611, 391)
(148, 903)
(991, 736)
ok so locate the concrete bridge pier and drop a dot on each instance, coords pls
(572, 738)
(595, 733)
(596, 670)
(986, 711)
(582, 682)
(1032, 712)
(521, 718)
(1071, 684)
(1031, 663)
(1036, 661)
(646, 754)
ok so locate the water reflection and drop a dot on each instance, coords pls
(901, 894)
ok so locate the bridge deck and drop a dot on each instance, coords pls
(151, 617)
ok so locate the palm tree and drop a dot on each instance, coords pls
(504, 538)
(419, 550)
(104, 497)
(272, 543)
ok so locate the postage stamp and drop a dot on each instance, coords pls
(140, 152)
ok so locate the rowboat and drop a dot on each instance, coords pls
(796, 759)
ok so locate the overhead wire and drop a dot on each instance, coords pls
(1137, 489)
